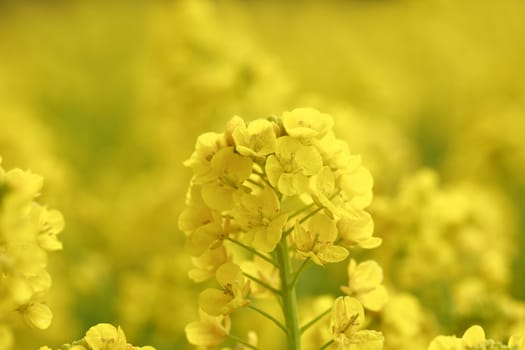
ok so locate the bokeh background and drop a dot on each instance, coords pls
(106, 99)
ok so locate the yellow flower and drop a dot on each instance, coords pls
(443, 342)
(6, 337)
(323, 190)
(317, 241)
(209, 332)
(357, 230)
(258, 216)
(473, 337)
(105, 336)
(346, 323)
(517, 342)
(364, 283)
(51, 223)
(356, 186)
(307, 123)
(206, 265)
(37, 315)
(233, 294)
(207, 145)
(258, 139)
(291, 166)
(24, 183)
(209, 236)
(229, 170)
(202, 225)
(336, 154)
(341, 193)
(197, 212)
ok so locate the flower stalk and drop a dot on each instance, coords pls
(289, 296)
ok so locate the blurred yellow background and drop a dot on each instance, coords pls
(106, 99)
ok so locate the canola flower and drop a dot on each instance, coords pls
(103, 336)
(286, 192)
(474, 339)
(28, 231)
(471, 268)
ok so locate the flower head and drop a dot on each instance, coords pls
(317, 240)
(291, 166)
(233, 294)
(105, 336)
(365, 283)
(258, 139)
(307, 123)
(346, 326)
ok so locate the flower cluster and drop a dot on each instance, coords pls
(465, 279)
(474, 339)
(28, 231)
(284, 190)
(103, 336)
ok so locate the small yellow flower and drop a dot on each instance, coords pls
(37, 315)
(443, 342)
(229, 170)
(357, 230)
(356, 186)
(233, 294)
(365, 284)
(307, 123)
(6, 336)
(317, 241)
(51, 223)
(258, 215)
(323, 189)
(209, 236)
(105, 336)
(25, 183)
(292, 165)
(207, 145)
(206, 265)
(209, 331)
(258, 139)
(517, 341)
(336, 154)
(346, 323)
(473, 337)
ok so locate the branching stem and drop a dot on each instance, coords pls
(262, 283)
(268, 316)
(289, 297)
(254, 251)
(315, 320)
(239, 340)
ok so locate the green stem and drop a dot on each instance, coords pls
(289, 297)
(287, 232)
(302, 210)
(239, 340)
(255, 183)
(262, 175)
(313, 321)
(298, 272)
(255, 252)
(268, 316)
(327, 344)
(262, 283)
